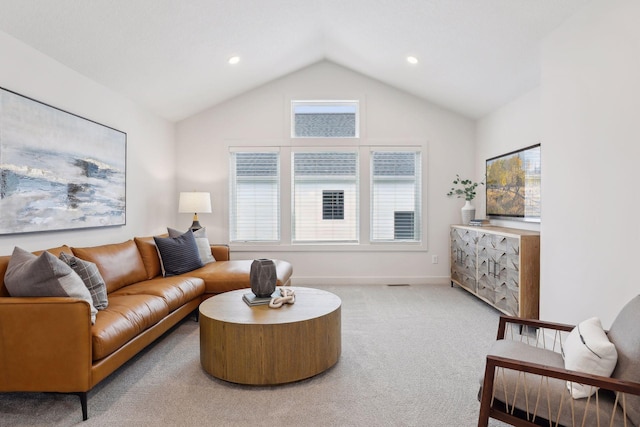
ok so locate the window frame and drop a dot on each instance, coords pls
(286, 146)
(296, 238)
(419, 198)
(233, 181)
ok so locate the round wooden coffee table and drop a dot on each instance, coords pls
(261, 345)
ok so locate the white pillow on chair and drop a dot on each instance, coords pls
(588, 349)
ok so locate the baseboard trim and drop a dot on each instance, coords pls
(365, 280)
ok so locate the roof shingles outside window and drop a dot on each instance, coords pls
(325, 125)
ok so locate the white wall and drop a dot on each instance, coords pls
(585, 115)
(511, 127)
(150, 145)
(590, 104)
(261, 115)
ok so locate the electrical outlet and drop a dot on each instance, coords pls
(434, 259)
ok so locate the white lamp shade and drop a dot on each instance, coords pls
(194, 202)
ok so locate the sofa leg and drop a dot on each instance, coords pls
(83, 402)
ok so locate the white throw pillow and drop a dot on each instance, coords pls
(588, 349)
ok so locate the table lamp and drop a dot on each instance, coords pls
(194, 202)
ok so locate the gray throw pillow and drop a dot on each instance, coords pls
(202, 242)
(29, 275)
(91, 277)
(178, 255)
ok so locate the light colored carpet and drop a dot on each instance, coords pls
(411, 356)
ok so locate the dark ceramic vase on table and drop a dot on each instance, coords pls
(263, 277)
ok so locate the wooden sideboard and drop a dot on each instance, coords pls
(499, 265)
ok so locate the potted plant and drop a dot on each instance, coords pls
(465, 188)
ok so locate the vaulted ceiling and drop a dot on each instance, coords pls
(171, 56)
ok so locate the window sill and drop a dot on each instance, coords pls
(329, 247)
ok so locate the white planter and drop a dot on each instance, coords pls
(468, 212)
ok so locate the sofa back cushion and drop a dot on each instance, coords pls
(4, 262)
(625, 335)
(120, 264)
(149, 253)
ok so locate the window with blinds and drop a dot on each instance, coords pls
(395, 196)
(325, 196)
(255, 196)
(324, 119)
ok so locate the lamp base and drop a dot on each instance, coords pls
(196, 224)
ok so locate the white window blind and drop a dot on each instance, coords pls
(254, 196)
(321, 180)
(395, 196)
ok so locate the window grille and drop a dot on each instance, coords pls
(404, 225)
(332, 204)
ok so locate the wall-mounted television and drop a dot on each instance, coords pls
(513, 185)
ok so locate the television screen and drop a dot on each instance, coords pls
(513, 185)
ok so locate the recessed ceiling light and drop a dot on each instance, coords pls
(412, 60)
(234, 60)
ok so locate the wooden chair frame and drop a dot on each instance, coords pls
(492, 408)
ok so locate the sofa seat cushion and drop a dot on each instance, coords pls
(532, 391)
(223, 276)
(175, 291)
(125, 318)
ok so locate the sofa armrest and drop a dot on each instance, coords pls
(45, 344)
(220, 252)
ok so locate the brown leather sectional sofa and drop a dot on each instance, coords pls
(48, 344)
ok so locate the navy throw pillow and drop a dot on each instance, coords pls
(178, 255)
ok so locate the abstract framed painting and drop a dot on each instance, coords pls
(58, 171)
